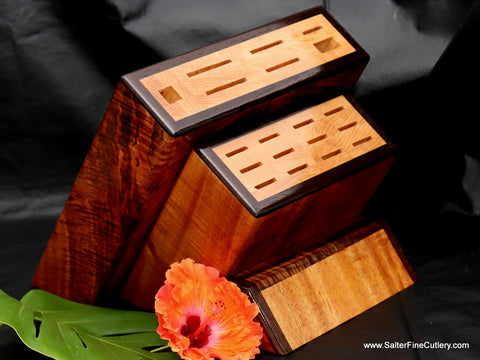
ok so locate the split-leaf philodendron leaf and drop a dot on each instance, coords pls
(66, 330)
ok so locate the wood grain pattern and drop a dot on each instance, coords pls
(316, 291)
(124, 180)
(138, 153)
(286, 158)
(232, 72)
(202, 219)
(288, 152)
(237, 73)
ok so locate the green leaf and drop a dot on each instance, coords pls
(67, 330)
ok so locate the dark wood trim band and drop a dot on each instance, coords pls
(264, 207)
(177, 128)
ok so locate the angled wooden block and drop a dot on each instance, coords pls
(313, 292)
(267, 166)
(246, 197)
(129, 170)
(151, 124)
(294, 58)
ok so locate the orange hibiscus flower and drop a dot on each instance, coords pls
(205, 316)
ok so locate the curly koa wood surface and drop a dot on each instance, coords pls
(123, 182)
(156, 116)
(213, 216)
(313, 292)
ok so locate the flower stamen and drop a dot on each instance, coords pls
(203, 315)
(215, 309)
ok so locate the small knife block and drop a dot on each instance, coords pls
(155, 117)
(313, 292)
(243, 198)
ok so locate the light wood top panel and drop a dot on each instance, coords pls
(229, 73)
(336, 289)
(293, 150)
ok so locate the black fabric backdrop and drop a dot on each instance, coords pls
(60, 61)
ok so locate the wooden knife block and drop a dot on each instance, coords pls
(154, 118)
(245, 198)
(313, 292)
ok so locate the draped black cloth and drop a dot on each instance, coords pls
(60, 61)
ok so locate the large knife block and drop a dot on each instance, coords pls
(315, 291)
(244, 198)
(154, 118)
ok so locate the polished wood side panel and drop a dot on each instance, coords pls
(203, 220)
(140, 148)
(120, 189)
(316, 291)
(128, 172)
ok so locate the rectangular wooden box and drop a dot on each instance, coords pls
(313, 292)
(154, 118)
(244, 198)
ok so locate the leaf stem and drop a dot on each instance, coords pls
(160, 348)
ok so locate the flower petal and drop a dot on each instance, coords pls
(204, 316)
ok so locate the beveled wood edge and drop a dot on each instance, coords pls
(320, 238)
(324, 251)
(178, 128)
(273, 331)
(331, 247)
(296, 192)
(365, 229)
(398, 248)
